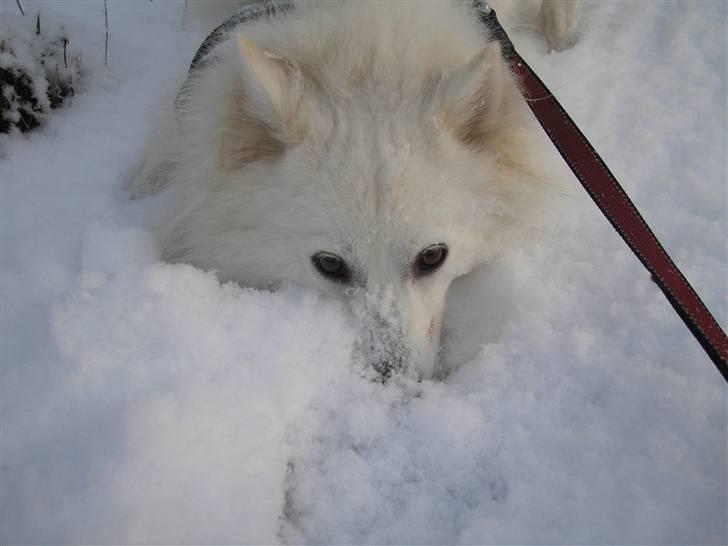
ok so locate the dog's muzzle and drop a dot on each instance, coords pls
(382, 346)
(382, 343)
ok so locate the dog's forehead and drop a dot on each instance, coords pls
(385, 182)
(381, 161)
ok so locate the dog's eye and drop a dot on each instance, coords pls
(430, 259)
(331, 266)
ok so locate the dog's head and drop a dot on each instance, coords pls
(380, 192)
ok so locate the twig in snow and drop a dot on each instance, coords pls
(20, 7)
(106, 23)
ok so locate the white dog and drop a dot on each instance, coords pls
(374, 151)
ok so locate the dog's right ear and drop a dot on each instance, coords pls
(273, 86)
(268, 116)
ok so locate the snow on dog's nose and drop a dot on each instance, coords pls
(381, 343)
(389, 340)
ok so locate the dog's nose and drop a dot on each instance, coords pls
(382, 346)
(385, 351)
(388, 368)
(383, 343)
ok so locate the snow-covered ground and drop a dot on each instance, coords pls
(144, 402)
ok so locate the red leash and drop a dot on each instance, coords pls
(612, 200)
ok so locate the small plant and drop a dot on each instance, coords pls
(37, 73)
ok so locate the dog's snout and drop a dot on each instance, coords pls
(387, 368)
(396, 336)
(384, 349)
(382, 343)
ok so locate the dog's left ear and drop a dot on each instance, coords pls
(472, 99)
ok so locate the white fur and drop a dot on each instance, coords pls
(366, 129)
(555, 19)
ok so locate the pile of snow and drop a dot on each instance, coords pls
(145, 402)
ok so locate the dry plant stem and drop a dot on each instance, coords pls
(106, 24)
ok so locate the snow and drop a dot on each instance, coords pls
(145, 402)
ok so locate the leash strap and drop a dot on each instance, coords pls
(611, 199)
